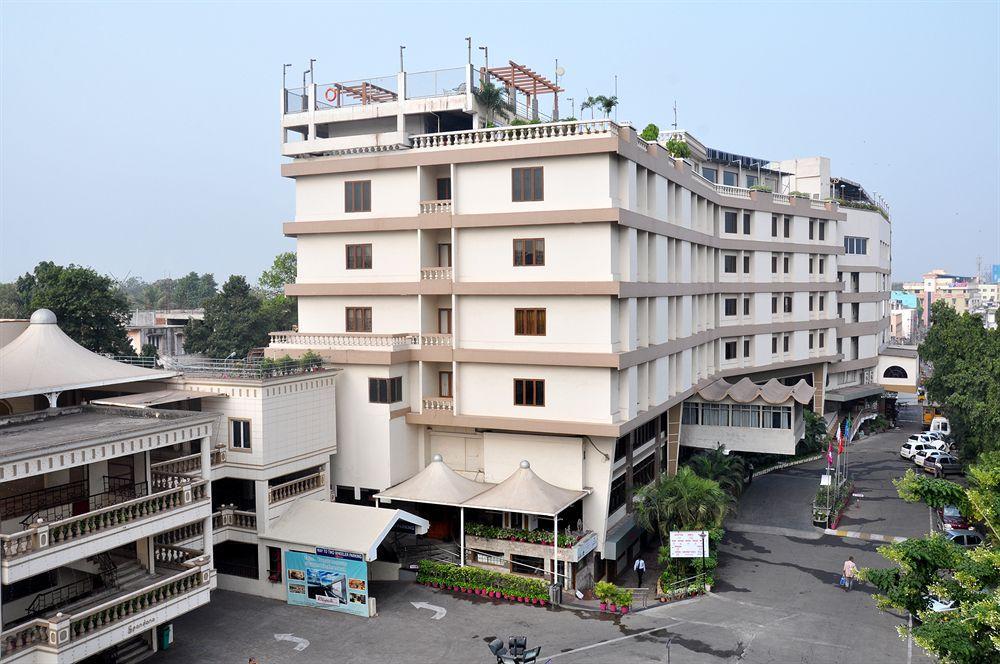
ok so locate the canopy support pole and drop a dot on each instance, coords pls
(555, 547)
(461, 540)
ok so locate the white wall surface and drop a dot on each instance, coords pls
(395, 193)
(391, 314)
(572, 323)
(323, 258)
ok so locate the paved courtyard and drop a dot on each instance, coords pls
(777, 600)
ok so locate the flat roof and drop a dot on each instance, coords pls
(66, 428)
(855, 392)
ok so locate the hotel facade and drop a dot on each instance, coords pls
(565, 293)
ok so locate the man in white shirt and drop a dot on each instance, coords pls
(640, 569)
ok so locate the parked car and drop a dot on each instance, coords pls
(922, 457)
(966, 538)
(923, 438)
(943, 466)
(939, 605)
(952, 519)
(910, 448)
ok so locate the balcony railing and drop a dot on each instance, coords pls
(439, 403)
(179, 466)
(181, 534)
(218, 456)
(297, 487)
(345, 340)
(436, 340)
(515, 133)
(64, 631)
(77, 528)
(436, 273)
(174, 555)
(230, 517)
(435, 207)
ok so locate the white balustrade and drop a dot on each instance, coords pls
(436, 273)
(439, 403)
(345, 340)
(297, 487)
(435, 340)
(230, 517)
(817, 205)
(515, 133)
(435, 207)
(782, 199)
(735, 192)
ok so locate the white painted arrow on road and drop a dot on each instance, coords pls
(439, 611)
(300, 643)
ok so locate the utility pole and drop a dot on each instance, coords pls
(675, 115)
(401, 49)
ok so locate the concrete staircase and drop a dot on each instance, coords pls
(132, 651)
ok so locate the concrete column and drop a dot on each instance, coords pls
(401, 97)
(263, 507)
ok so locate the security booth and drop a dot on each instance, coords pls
(330, 552)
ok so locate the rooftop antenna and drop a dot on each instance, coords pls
(675, 115)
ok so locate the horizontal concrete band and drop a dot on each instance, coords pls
(853, 365)
(877, 296)
(607, 288)
(847, 267)
(845, 329)
(621, 216)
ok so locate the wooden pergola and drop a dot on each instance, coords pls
(367, 92)
(517, 77)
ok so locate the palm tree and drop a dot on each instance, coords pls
(685, 501)
(607, 104)
(726, 469)
(591, 103)
(490, 98)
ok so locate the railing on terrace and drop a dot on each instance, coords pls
(174, 555)
(117, 492)
(237, 569)
(144, 361)
(345, 340)
(436, 83)
(47, 535)
(439, 403)
(40, 499)
(435, 207)
(181, 534)
(735, 192)
(356, 93)
(63, 631)
(783, 199)
(61, 596)
(296, 100)
(435, 340)
(218, 455)
(297, 487)
(174, 472)
(435, 273)
(515, 133)
(255, 369)
(230, 517)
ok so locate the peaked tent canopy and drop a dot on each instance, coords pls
(437, 484)
(43, 360)
(525, 492)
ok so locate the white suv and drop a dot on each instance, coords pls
(911, 448)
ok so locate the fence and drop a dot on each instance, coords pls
(435, 83)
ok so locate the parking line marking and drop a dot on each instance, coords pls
(620, 638)
(868, 537)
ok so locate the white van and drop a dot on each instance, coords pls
(941, 425)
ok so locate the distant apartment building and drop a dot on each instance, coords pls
(164, 330)
(960, 292)
(564, 298)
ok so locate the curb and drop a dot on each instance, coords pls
(788, 464)
(868, 537)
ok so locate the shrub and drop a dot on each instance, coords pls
(310, 360)
(650, 133)
(678, 148)
(476, 578)
(799, 194)
(761, 187)
(518, 534)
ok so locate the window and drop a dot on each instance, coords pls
(729, 264)
(529, 392)
(746, 306)
(731, 178)
(358, 196)
(529, 322)
(784, 343)
(385, 390)
(774, 225)
(812, 340)
(730, 223)
(359, 319)
(689, 415)
(239, 434)
(856, 245)
(822, 303)
(785, 263)
(526, 184)
(359, 256)
(774, 264)
(444, 189)
(895, 371)
(746, 264)
(616, 496)
(788, 304)
(812, 229)
(730, 306)
(751, 181)
(822, 339)
(621, 447)
(774, 344)
(745, 416)
(715, 414)
(529, 251)
(811, 261)
(788, 227)
(822, 266)
(774, 304)
(746, 223)
(730, 348)
(644, 472)
(822, 230)
(810, 303)
(746, 348)
(710, 174)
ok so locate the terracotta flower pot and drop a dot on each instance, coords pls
(613, 608)
(604, 606)
(624, 610)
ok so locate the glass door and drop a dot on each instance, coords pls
(445, 386)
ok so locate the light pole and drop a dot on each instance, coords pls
(284, 76)
(401, 49)
(468, 44)
(486, 52)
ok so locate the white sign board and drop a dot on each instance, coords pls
(825, 480)
(689, 543)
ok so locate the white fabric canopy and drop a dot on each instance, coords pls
(437, 484)
(355, 528)
(526, 492)
(155, 398)
(42, 360)
(745, 391)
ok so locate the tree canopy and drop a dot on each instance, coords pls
(90, 308)
(233, 324)
(283, 271)
(650, 133)
(684, 501)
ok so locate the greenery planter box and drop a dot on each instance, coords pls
(471, 580)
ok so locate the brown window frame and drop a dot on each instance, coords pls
(534, 382)
(355, 251)
(437, 188)
(352, 189)
(521, 253)
(352, 315)
(529, 322)
(391, 387)
(523, 184)
(727, 347)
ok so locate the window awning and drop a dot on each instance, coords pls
(156, 398)
(852, 393)
(340, 526)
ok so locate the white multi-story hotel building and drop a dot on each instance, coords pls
(556, 292)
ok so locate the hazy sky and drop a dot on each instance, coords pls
(142, 138)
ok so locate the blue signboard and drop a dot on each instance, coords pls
(333, 580)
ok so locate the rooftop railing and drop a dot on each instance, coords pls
(255, 369)
(435, 83)
(514, 133)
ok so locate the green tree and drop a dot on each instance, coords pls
(491, 100)
(728, 470)
(816, 438)
(233, 323)
(650, 133)
(684, 501)
(90, 308)
(591, 103)
(283, 270)
(965, 376)
(192, 290)
(10, 304)
(678, 149)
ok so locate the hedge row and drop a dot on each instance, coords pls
(518, 535)
(480, 581)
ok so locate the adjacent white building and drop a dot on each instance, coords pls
(554, 293)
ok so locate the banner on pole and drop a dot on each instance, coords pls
(689, 543)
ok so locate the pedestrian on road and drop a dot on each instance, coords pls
(850, 569)
(640, 569)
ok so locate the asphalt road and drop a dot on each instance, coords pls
(777, 600)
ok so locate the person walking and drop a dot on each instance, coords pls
(640, 569)
(850, 569)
